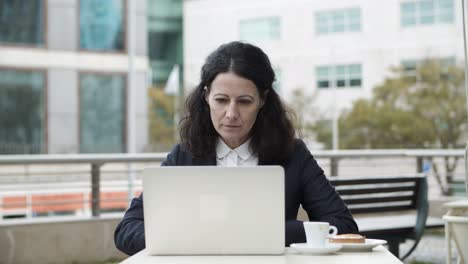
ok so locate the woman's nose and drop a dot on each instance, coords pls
(232, 111)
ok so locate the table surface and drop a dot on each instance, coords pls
(459, 203)
(392, 222)
(378, 255)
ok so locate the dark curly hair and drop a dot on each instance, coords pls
(272, 136)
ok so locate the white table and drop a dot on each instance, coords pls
(456, 229)
(379, 255)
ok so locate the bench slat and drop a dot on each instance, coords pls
(378, 195)
(357, 181)
(375, 190)
(360, 210)
(371, 200)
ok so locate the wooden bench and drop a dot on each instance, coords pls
(390, 208)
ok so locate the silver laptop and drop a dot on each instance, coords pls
(214, 210)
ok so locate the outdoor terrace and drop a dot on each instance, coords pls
(64, 208)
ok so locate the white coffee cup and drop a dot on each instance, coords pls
(317, 233)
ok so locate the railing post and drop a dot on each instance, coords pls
(419, 165)
(334, 166)
(95, 189)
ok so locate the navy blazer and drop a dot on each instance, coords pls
(305, 184)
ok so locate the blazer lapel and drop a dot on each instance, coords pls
(208, 161)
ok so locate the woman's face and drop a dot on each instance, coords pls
(234, 103)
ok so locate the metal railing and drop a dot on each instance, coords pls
(94, 160)
(336, 162)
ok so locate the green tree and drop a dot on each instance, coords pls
(161, 120)
(305, 114)
(424, 110)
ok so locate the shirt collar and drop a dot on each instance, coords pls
(243, 151)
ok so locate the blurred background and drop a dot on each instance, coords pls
(68, 69)
(110, 77)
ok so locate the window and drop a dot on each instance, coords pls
(410, 67)
(164, 50)
(426, 12)
(102, 113)
(22, 112)
(344, 20)
(22, 22)
(102, 25)
(339, 75)
(164, 38)
(261, 29)
(323, 77)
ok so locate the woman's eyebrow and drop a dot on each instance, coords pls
(220, 94)
(246, 96)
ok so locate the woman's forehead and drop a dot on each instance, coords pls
(230, 83)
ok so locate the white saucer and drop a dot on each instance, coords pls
(305, 249)
(367, 246)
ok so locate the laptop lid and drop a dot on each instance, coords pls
(214, 210)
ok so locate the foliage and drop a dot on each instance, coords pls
(424, 110)
(305, 113)
(420, 262)
(161, 120)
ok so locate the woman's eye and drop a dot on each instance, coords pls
(245, 102)
(220, 100)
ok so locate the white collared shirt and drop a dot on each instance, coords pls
(240, 156)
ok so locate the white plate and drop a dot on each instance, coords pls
(367, 246)
(304, 249)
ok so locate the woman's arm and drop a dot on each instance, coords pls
(310, 187)
(129, 236)
(322, 203)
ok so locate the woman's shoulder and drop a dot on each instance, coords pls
(302, 157)
(179, 155)
(300, 151)
(299, 146)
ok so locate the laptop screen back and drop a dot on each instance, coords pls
(214, 210)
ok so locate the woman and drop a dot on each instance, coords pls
(235, 118)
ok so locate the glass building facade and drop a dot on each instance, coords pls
(260, 29)
(335, 21)
(22, 22)
(102, 113)
(426, 12)
(164, 38)
(340, 76)
(102, 25)
(49, 103)
(22, 112)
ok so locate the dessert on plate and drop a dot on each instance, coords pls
(348, 238)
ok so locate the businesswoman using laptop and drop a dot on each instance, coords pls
(235, 118)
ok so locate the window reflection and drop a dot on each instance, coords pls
(426, 12)
(102, 25)
(22, 22)
(164, 37)
(102, 113)
(334, 21)
(22, 112)
(260, 29)
(342, 75)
